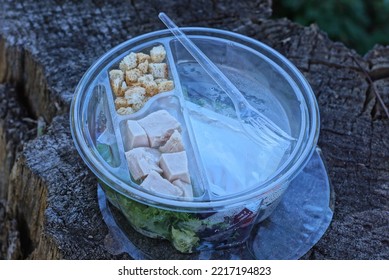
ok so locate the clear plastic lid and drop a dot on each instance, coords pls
(179, 130)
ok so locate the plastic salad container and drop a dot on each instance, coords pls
(168, 148)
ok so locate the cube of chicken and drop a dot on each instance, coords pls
(136, 135)
(155, 183)
(141, 161)
(159, 126)
(175, 166)
(185, 187)
(173, 144)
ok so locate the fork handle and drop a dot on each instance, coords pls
(210, 68)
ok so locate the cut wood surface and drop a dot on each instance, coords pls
(48, 197)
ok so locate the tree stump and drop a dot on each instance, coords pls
(48, 199)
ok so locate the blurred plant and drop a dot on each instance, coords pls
(358, 23)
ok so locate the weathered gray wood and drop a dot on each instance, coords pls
(354, 143)
(48, 202)
(15, 130)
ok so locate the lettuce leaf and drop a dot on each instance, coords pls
(178, 227)
(184, 240)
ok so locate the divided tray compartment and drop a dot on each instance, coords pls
(205, 100)
(171, 101)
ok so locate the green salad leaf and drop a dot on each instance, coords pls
(184, 240)
(178, 227)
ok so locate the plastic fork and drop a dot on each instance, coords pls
(257, 125)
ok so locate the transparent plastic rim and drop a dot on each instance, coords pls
(296, 162)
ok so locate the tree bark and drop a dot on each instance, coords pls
(48, 199)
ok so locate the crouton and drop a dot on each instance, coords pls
(142, 57)
(160, 80)
(121, 102)
(116, 78)
(128, 62)
(147, 81)
(122, 89)
(136, 84)
(133, 75)
(158, 70)
(157, 54)
(165, 86)
(125, 111)
(143, 66)
(135, 97)
(146, 78)
(137, 90)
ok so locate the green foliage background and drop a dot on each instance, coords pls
(359, 24)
